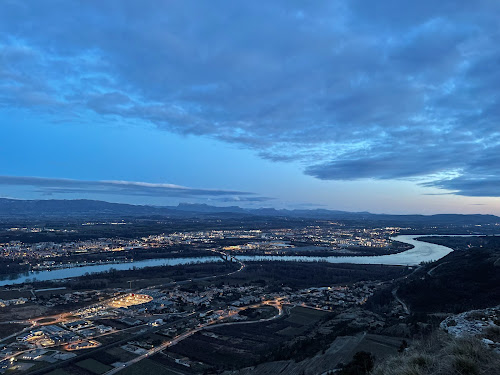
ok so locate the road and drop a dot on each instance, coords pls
(405, 307)
(87, 354)
(434, 268)
(34, 322)
(59, 318)
(276, 303)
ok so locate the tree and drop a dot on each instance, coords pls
(361, 364)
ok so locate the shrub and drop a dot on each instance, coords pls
(441, 354)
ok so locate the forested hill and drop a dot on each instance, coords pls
(463, 280)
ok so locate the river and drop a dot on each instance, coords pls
(66, 273)
(421, 252)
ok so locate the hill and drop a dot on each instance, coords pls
(461, 281)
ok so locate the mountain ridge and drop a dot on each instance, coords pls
(14, 208)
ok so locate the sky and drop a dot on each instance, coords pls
(382, 106)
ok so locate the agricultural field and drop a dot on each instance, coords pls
(305, 316)
(119, 355)
(113, 355)
(239, 345)
(340, 351)
(95, 367)
(11, 294)
(11, 328)
(300, 320)
(147, 367)
(381, 346)
(58, 372)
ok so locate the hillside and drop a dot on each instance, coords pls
(441, 354)
(462, 280)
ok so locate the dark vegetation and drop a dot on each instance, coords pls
(441, 354)
(174, 251)
(140, 276)
(12, 267)
(461, 281)
(319, 251)
(465, 243)
(259, 313)
(468, 278)
(304, 346)
(309, 274)
(361, 364)
(241, 345)
(227, 350)
(9, 329)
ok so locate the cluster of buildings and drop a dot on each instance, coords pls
(334, 235)
(38, 343)
(43, 250)
(185, 308)
(73, 298)
(131, 308)
(35, 355)
(47, 336)
(39, 230)
(212, 302)
(331, 298)
(130, 299)
(337, 235)
(14, 301)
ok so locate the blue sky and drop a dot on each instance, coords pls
(387, 106)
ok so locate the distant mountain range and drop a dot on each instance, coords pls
(13, 208)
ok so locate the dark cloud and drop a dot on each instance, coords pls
(350, 89)
(51, 186)
(470, 186)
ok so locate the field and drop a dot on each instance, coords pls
(305, 316)
(110, 356)
(23, 312)
(240, 345)
(58, 372)
(147, 367)
(114, 337)
(380, 346)
(297, 275)
(119, 355)
(96, 363)
(300, 319)
(341, 350)
(11, 294)
(93, 366)
(9, 329)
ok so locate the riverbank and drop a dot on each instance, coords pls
(420, 252)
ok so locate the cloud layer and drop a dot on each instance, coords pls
(51, 186)
(349, 89)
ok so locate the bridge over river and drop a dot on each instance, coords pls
(421, 252)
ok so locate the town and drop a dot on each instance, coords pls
(142, 322)
(327, 239)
